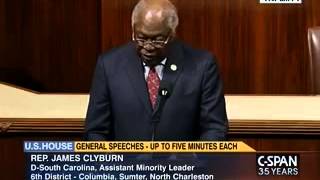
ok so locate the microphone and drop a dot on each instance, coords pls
(165, 91)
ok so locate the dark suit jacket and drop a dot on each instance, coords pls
(119, 106)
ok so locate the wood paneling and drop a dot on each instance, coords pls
(54, 41)
(236, 127)
(261, 49)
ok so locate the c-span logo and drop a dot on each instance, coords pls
(278, 164)
(280, 1)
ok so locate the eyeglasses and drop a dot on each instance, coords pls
(154, 43)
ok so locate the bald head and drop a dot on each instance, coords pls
(154, 15)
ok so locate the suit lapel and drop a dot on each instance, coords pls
(135, 73)
(174, 64)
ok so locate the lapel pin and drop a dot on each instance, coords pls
(173, 67)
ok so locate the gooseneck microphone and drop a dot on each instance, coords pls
(165, 91)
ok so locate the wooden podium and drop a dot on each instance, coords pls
(251, 118)
(266, 123)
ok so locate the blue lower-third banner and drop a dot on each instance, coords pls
(68, 160)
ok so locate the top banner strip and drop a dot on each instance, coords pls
(137, 146)
(163, 147)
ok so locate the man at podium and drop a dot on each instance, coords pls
(156, 87)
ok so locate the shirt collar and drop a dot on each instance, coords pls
(163, 62)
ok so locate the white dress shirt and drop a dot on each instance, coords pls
(158, 68)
